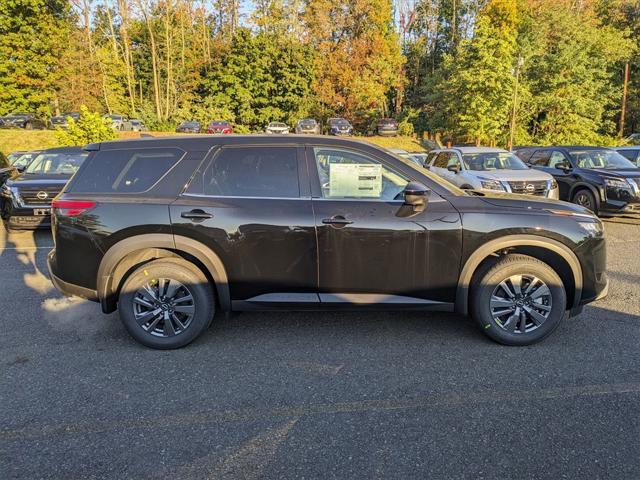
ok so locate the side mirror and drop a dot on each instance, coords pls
(563, 166)
(427, 166)
(454, 168)
(21, 168)
(415, 195)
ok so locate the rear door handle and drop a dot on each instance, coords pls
(196, 215)
(337, 220)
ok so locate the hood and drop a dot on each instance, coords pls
(512, 175)
(33, 179)
(617, 172)
(511, 200)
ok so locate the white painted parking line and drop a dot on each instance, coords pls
(26, 248)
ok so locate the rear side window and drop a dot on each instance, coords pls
(249, 172)
(126, 171)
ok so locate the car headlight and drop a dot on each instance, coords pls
(5, 191)
(554, 184)
(488, 184)
(594, 229)
(617, 183)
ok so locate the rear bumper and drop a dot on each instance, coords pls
(66, 288)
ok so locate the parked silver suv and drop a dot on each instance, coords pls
(494, 169)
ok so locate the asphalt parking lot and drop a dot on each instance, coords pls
(315, 395)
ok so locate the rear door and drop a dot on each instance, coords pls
(251, 205)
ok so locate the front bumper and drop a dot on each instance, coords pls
(27, 222)
(68, 289)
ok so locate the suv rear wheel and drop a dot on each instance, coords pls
(166, 303)
(518, 300)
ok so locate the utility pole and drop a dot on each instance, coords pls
(512, 127)
(623, 111)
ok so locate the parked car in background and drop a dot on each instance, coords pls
(633, 139)
(387, 127)
(62, 121)
(26, 197)
(220, 127)
(339, 126)
(630, 153)
(119, 122)
(308, 126)
(189, 126)
(278, 128)
(138, 125)
(490, 169)
(27, 121)
(412, 157)
(20, 160)
(170, 230)
(596, 178)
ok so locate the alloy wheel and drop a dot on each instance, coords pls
(164, 307)
(583, 200)
(521, 303)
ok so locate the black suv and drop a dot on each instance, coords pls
(25, 199)
(170, 230)
(597, 178)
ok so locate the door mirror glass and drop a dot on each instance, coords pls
(455, 168)
(563, 165)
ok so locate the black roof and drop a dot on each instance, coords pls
(69, 150)
(206, 142)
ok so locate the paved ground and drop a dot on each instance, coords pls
(315, 395)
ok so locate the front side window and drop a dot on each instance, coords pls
(492, 161)
(607, 159)
(442, 160)
(557, 158)
(347, 174)
(56, 163)
(126, 170)
(268, 172)
(540, 158)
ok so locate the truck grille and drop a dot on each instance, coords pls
(36, 195)
(537, 187)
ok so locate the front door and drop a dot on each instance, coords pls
(371, 247)
(251, 205)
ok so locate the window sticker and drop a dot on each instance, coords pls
(355, 180)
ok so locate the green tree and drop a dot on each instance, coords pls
(90, 128)
(479, 81)
(33, 36)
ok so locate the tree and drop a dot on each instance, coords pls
(358, 59)
(479, 81)
(33, 36)
(89, 128)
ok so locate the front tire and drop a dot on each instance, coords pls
(586, 199)
(518, 300)
(166, 304)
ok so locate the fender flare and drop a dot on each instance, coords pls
(583, 185)
(477, 257)
(155, 243)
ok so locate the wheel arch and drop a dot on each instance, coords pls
(586, 186)
(126, 255)
(555, 254)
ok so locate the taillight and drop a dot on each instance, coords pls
(71, 208)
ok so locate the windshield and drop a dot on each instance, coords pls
(341, 122)
(277, 125)
(190, 124)
(219, 124)
(56, 163)
(308, 122)
(21, 161)
(607, 159)
(492, 161)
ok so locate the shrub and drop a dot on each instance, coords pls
(405, 128)
(90, 128)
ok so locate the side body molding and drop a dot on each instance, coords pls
(462, 292)
(156, 245)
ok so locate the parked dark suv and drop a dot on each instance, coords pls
(170, 230)
(597, 178)
(25, 199)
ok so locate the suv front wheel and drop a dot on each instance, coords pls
(166, 303)
(518, 300)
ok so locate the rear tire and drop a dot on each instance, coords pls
(166, 303)
(517, 300)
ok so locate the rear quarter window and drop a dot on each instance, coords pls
(126, 170)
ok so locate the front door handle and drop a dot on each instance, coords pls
(337, 220)
(196, 215)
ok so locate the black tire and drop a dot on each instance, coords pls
(175, 334)
(487, 283)
(586, 199)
